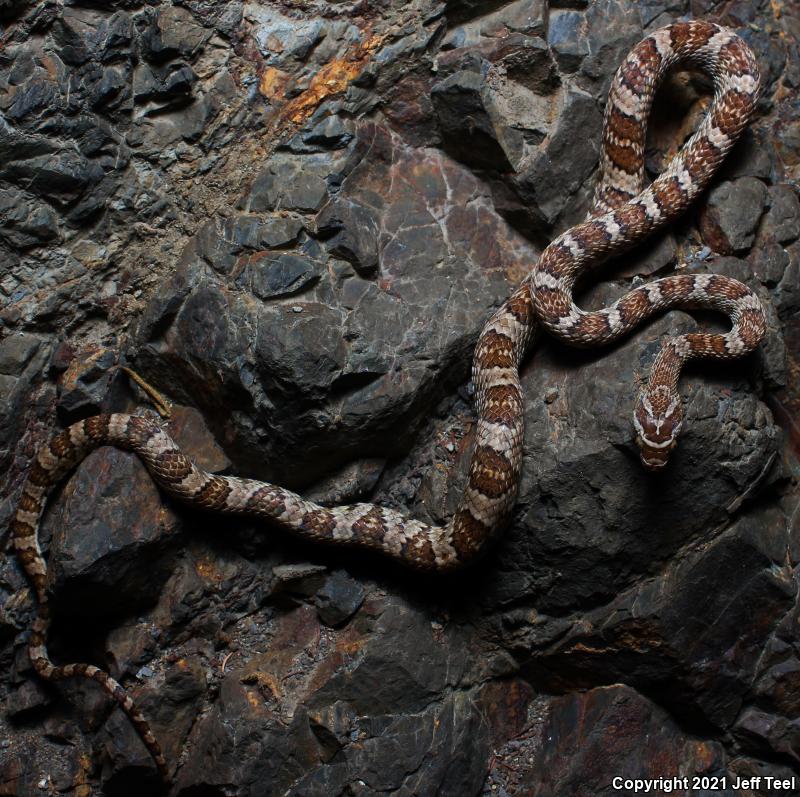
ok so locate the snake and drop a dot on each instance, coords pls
(626, 209)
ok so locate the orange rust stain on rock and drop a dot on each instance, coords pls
(208, 570)
(333, 78)
(273, 83)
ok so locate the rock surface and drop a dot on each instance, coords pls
(293, 220)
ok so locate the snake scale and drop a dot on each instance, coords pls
(624, 212)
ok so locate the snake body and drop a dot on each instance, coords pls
(625, 211)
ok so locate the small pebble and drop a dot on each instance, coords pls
(704, 253)
(145, 672)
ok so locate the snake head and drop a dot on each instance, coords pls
(657, 419)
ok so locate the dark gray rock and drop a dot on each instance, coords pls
(354, 232)
(170, 83)
(172, 32)
(566, 38)
(338, 599)
(552, 179)
(731, 217)
(664, 638)
(521, 16)
(113, 557)
(24, 224)
(334, 354)
(86, 383)
(331, 132)
(465, 122)
(62, 177)
(297, 220)
(119, 530)
(289, 183)
(782, 220)
(276, 276)
(773, 735)
(16, 352)
(222, 17)
(581, 743)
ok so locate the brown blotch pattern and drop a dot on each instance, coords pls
(469, 533)
(172, 466)
(592, 236)
(371, 526)
(592, 327)
(702, 344)
(491, 472)
(725, 286)
(621, 125)
(495, 350)
(213, 493)
(320, 522)
(752, 327)
(96, 428)
(669, 195)
(519, 305)
(675, 289)
(633, 307)
(502, 404)
(625, 156)
(633, 216)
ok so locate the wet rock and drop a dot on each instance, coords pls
(732, 214)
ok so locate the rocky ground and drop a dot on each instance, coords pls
(293, 219)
